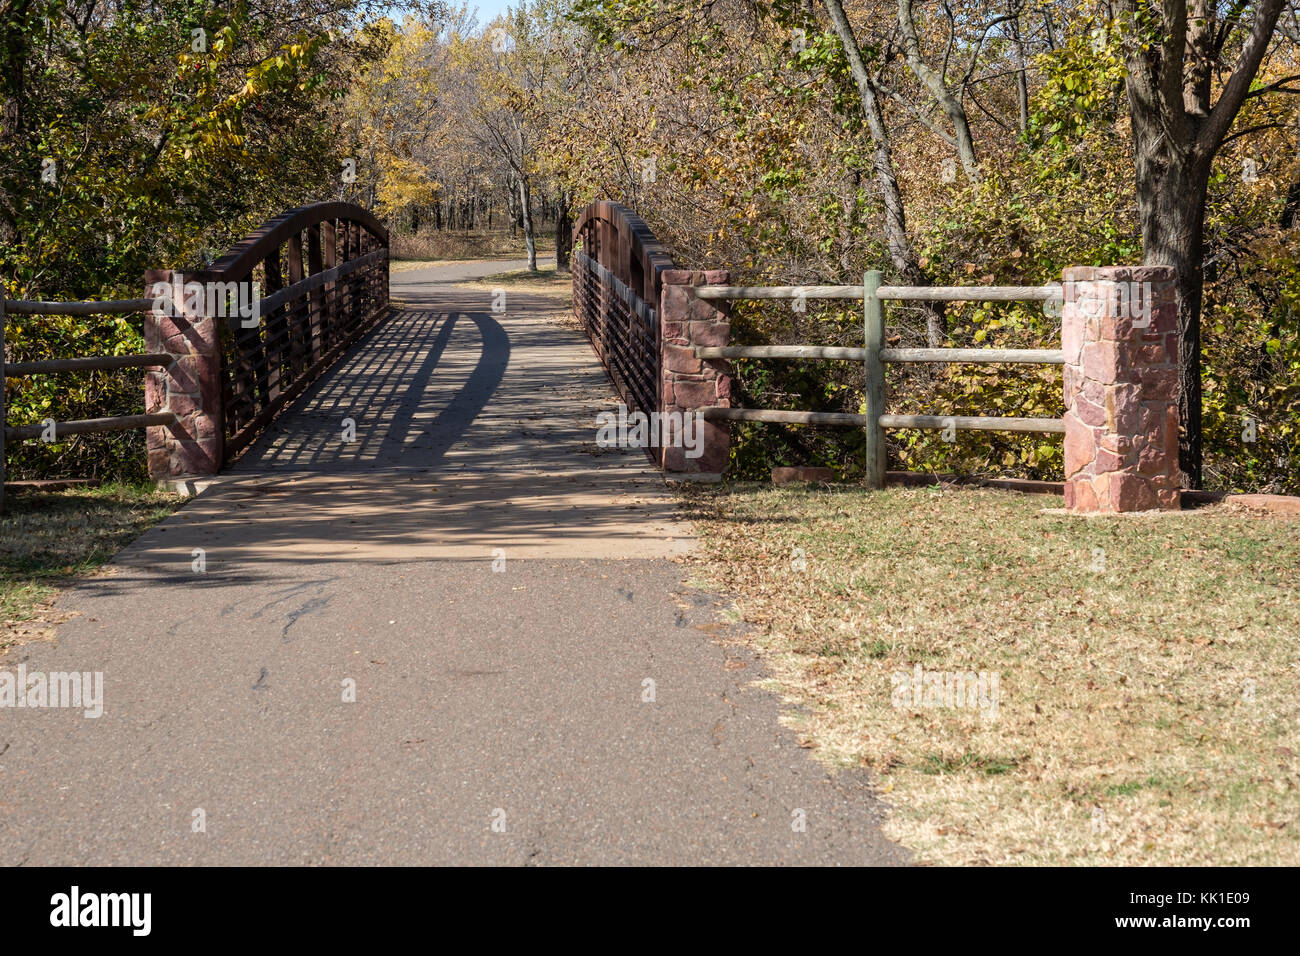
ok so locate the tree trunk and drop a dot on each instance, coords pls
(1292, 205)
(932, 80)
(563, 232)
(15, 51)
(512, 209)
(1051, 33)
(901, 253)
(526, 208)
(1177, 132)
(1022, 80)
(1171, 205)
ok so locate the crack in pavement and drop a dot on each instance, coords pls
(310, 606)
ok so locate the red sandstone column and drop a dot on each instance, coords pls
(1119, 331)
(687, 382)
(190, 387)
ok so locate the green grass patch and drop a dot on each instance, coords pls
(1132, 787)
(946, 763)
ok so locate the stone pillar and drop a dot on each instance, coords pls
(1119, 332)
(687, 382)
(190, 387)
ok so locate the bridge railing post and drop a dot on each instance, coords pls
(317, 307)
(297, 311)
(1119, 335)
(277, 327)
(385, 279)
(329, 293)
(688, 383)
(189, 387)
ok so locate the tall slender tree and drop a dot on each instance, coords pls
(901, 251)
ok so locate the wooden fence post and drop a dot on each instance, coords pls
(874, 340)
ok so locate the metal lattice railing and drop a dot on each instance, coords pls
(325, 271)
(617, 267)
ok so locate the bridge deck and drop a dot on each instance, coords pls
(474, 431)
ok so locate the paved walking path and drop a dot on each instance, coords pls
(499, 716)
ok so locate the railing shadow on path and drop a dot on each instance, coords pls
(473, 432)
(385, 391)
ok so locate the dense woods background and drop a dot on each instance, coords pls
(948, 142)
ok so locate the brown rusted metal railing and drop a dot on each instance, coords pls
(617, 279)
(321, 272)
(219, 373)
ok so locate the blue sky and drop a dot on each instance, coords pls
(487, 9)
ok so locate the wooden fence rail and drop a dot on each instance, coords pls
(82, 364)
(85, 426)
(900, 293)
(832, 353)
(97, 363)
(960, 422)
(875, 357)
(120, 307)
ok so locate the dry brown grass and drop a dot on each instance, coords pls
(50, 539)
(1147, 712)
(460, 245)
(414, 265)
(551, 283)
